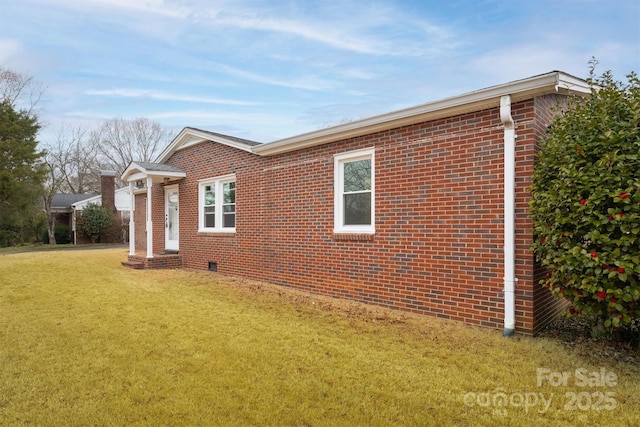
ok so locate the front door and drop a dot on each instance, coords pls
(171, 226)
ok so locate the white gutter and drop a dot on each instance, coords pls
(509, 215)
(554, 82)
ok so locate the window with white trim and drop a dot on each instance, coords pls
(354, 189)
(217, 204)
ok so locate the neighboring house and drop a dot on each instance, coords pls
(62, 208)
(117, 201)
(423, 209)
(122, 209)
(122, 203)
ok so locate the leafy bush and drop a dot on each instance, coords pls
(9, 235)
(586, 202)
(93, 221)
(63, 234)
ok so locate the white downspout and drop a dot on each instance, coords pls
(149, 221)
(509, 215)
(132, 224)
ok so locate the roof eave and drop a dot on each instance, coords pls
(554, 82)
(135, 172)
(197, 136)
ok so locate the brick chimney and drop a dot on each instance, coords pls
(108, 189)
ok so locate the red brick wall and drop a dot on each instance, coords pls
(157, 217)
(107, 188)
(438, 246)
(140, 222)
(547, 306)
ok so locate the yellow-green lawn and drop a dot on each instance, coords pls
(85, 341)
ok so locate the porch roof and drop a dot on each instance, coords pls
(158, 172)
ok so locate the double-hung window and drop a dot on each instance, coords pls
(354, 189)
(217, 204)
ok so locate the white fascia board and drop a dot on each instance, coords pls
(133, 176)
(189, 136)
(83, 203)
(569, 84)
(131, 173)
(473, 101)
(136, 172)
(157, 176)
(220, 139)
(171, 148)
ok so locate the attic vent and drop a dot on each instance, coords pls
(213, 266)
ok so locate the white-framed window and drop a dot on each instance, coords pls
(217, 204)
(354, 192)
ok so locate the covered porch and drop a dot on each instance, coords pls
(145, 178)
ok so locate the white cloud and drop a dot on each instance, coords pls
(310, 63)
(263, 127)
(211, 115)
(373, 29)
(326, 34)
(516, 62)
(307, 83)
(9, 48)
(157, 7)
(164, 96)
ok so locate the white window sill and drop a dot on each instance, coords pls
(354, 230)
(229, 231)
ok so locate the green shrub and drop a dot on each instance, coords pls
(9, 235)
(586, 202)
(63, 234)
(93, 221)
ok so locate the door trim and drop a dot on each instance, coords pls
(172, 245)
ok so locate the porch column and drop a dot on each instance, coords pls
(149, 221)
(132, 224)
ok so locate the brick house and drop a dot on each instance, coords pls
(63, 212)
(423, 209)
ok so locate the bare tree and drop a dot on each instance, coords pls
(120, 141)
(82, 174)
(20, 90)
(72, 168)
(56, 163)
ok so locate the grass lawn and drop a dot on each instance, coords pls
(84, 341)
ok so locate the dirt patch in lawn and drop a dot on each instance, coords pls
(576, 333)
(344, 307)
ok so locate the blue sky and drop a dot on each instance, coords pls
(266, 70)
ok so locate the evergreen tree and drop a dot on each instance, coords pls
(21, 173)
